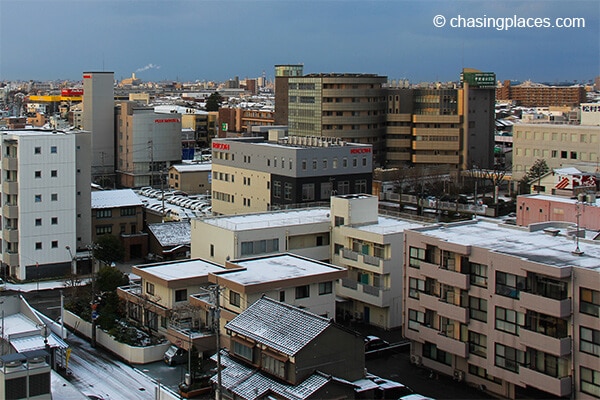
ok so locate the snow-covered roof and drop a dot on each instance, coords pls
(115, 198)
(533, 246)
(175, 270)
(270, 219)
(36, 342)
(276, 268)
(558, 199)
(567, 171)
(248, 383)
(16, 324)
(193, 167)
(171, 233)
(173, 108)
(276, 324)
(387, 225)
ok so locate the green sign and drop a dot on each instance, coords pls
(479, 79)
(224, 127)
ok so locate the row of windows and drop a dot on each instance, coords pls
(38, 150)
(53, 221)
(38, 174)
(556, 136)
(226, 197)
(40, 245)
(38, 197)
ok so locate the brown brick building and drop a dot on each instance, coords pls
(537, 95)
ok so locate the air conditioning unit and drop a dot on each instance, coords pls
(459, 375)
(415, 359)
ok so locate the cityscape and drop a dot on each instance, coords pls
(215, 207)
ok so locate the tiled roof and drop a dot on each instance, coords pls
(280, 326)
(172, 233)
(249, 383)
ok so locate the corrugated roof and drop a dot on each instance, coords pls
(276, 325)
(172, 233)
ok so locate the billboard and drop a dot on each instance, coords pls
(479, 79)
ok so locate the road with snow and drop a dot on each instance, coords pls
(94, 373)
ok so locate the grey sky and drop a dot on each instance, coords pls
(217, 40)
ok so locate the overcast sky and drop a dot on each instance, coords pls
(217, 40)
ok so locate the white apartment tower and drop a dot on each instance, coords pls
(98, 118)
(45, 188)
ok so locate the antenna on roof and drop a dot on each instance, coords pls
(577, 251)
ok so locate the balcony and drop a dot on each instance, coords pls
(9, 163)
(428, 145)
(555, 346)
(445, 276)
(10, 211)
(556, 386)
(443, 308)
(10, 235)
(444, 342)
(11, 258)
(204, 339)
(10, 187)
(362, 261)
(376, 296)
(545, 305)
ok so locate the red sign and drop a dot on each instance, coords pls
(87, 76)
(220, 146)
(162, 121)
(71, 92)
(360, 151)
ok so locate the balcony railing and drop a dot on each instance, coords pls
(350, 254)
(372, 260)
(349, 283)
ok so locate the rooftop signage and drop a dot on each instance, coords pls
(479, 79)
(360, 151)
(166, 120)
(220, 146)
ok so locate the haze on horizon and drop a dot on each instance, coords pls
(188, 40)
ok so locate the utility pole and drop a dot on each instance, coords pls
(151, 148)
(217, 317)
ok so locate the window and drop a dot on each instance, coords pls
(54, 197)
(482, 373)
(589, 340)
(38, 174)
(302, 292)
(415, 286)
(343, 187)
(431, 351)
(547, 287)
(150, 288)
(590, 381)
(54, 173)
(260, 246)
(103, 229)
(273, 365)
(128, 211)
(37, 150)
(287, 191)
(589, 301)
(277, 189)
(38, 198)
(308, 191)
(38, 245)
(54, 221)
(242, 350)
(478, 273)
(508, 358)
(415, 319)
(303, 165)
(325, 288)
(53, 150)
(509, 320)
(282, 296)
(547, 364)
(364, 161)
(314, 163)
(103, 213)
(212, 250)
(181, 295)
(478, 308)
(416, 255)
(546, 324)
(478, 344)
(234, 298)
(38, 222)
(509, 285)
(325, 164)
(55, 244)
(338, 221)
(361, 186)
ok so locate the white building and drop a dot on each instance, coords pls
(46, 199)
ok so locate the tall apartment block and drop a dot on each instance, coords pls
(505, 308)
(46, 201)
(99, 119)
(253, 174)
(148, 143)
(453, 126)
(349, 107)
(282, 75)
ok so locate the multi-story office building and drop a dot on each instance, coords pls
(504, 307)
(148, 144)
(453, 126)
(349, 107)
(99, 119)
(370, 246)
(46, 201)
(559, 145)
(530, 94)
(282, 74)
(191, 178)
(253, 174)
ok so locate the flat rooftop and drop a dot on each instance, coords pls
(387, 226)
(115, 198)
(535, 246)
(179, 269)
(270, 219)
(276, 268)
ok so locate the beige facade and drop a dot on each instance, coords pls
(504, 307)
(304, 232)
(559, 145)
(240, 190)
(370, 247)
(191, 178)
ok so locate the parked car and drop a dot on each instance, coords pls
(375, 343)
